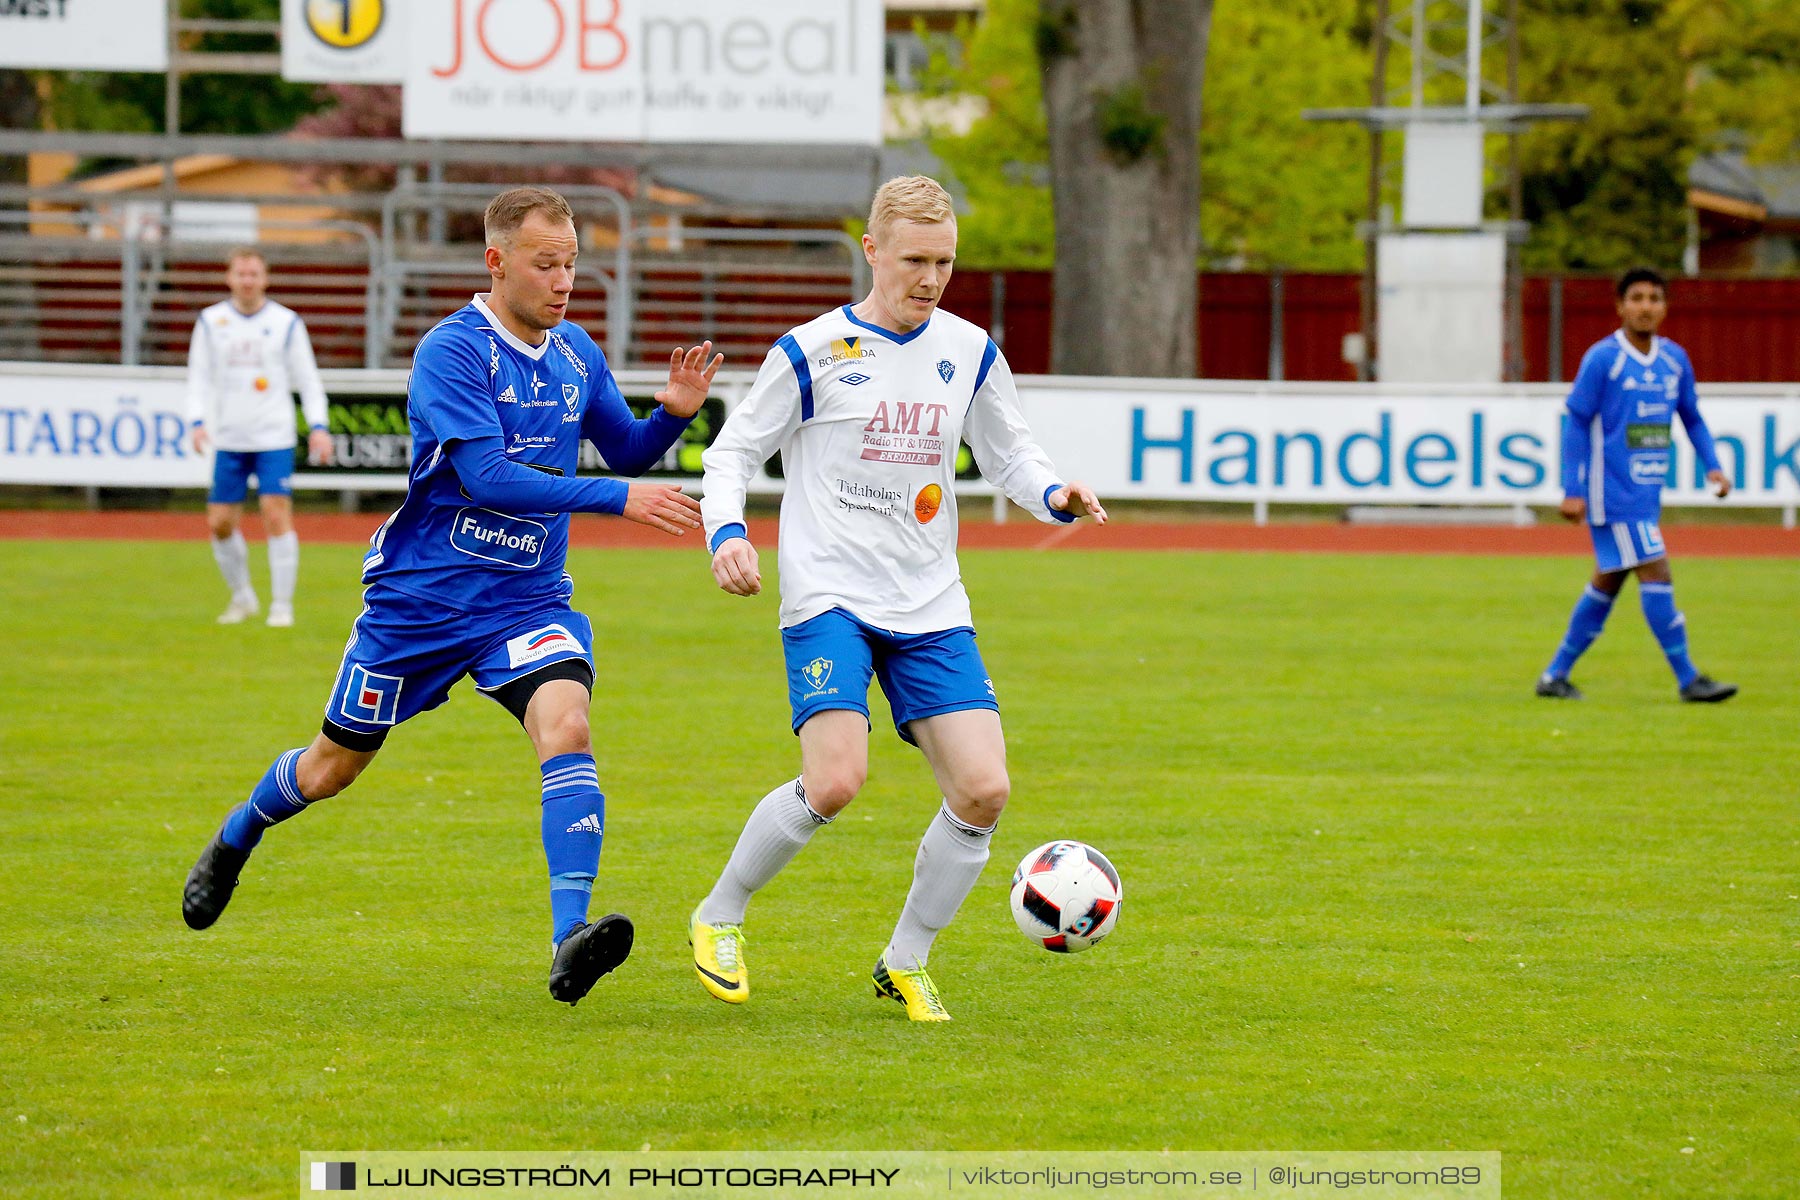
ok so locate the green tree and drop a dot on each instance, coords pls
(1276, 190)
(1611, 190)
(133, 102)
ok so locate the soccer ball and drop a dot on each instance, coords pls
(1066, 896)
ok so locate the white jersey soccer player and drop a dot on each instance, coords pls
(868, 405)
(247, 357)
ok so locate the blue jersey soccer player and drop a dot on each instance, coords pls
(467, 578)
(867, 405)
(1615, 459)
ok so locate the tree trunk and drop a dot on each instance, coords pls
(1122, 102)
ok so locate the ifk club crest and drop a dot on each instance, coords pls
(344, 24)
(817, 673)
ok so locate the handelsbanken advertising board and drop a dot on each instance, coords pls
(737, 71)
(1366, 446)
(124, 427)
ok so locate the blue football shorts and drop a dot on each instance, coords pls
(232, 470)
(1621, 545)
(404, 655)
(831, 657)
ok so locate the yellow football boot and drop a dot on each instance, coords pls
(719, 959)
(912, 988)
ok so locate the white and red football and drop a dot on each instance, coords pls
(1066, 896)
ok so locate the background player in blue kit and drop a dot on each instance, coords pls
(1615, 459)
(467, 578)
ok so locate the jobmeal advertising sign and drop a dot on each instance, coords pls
(85, 35)
(746, 71)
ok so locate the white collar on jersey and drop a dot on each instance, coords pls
(526, 348)
(1645, 360)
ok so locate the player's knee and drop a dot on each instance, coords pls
(221, 527)
(322, 776)
(983, 795)
(830, 789)
(566, 733)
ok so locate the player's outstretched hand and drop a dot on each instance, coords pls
(734, 567)
(319, 448)
(690, 379)
(1573, 509)
(662, 506)
(1721, 483)
(1078, 498)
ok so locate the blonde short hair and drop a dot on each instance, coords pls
(242, 252)
(917, 198)
(507, 211)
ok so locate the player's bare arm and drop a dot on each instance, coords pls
(662, 506)
(1078, 499)
(320, 449)
(690, 379)
(734, 567)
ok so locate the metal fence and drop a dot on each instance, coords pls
(120, 280)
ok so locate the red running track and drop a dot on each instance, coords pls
(1705, 541)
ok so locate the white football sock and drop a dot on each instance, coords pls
(951, 855)
(284, 567)
(780, 825)
(945, 869)
(233, 557)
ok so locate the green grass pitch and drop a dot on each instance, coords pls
(1378, 896)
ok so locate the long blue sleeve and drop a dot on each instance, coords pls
(1577, 445)
(1689, 407)
(629, 446)
(1577, 441)
(494, 481)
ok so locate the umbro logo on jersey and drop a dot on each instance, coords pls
(508, 396)
(946, 368)
(855, 378)
(587, 824)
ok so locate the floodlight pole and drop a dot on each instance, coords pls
(1492, 106)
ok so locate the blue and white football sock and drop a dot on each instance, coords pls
(1585, 624)
(274, 799)
(950, 858)
(233, 557)
(574, 820)
(779, 826)
(1670, 628)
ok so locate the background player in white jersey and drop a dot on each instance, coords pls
(867, 405)
(247, 357)
(467, 578)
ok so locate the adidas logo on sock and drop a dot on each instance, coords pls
(587, 824)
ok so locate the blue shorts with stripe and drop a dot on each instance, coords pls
(405, 653)
(232, 470)
(831, 658)
(1621, 545)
